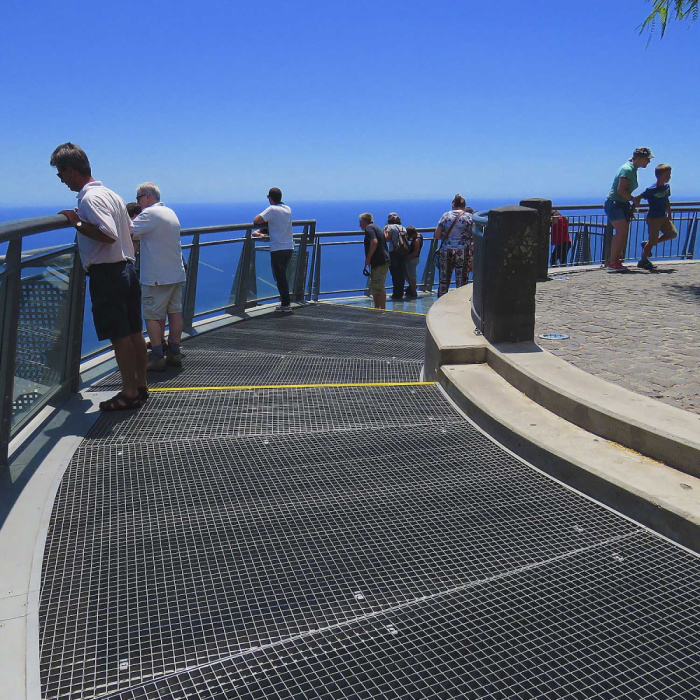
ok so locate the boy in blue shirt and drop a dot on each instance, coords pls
(659, 215)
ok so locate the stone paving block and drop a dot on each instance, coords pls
(639, 330)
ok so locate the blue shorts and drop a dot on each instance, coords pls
(617, 210)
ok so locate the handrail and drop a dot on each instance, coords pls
(570, 207)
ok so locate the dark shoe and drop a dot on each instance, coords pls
(396, 298)
(156, 363)
(646, 264)
(283, 309)
(120, 403)
(173, 359)
(644, 244)
(143, 393)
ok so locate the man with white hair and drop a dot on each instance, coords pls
(157, 229)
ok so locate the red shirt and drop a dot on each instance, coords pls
(560, 231)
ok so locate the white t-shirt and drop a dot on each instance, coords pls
(279, 223)
(106, 209)
(158, 229)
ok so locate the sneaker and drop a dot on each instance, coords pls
(156, 363)
(283, 309)
(615, 266)
(173, 359)
(646, 264)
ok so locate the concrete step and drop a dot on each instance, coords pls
(652, 493)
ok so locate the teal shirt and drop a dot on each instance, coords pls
(630, 172)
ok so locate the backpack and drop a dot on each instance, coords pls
(402, 247)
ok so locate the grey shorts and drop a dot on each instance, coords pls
(161, 299)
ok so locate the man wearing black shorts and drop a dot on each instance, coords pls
(107, 254)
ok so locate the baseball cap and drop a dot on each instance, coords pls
(643, 151)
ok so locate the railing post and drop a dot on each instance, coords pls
(607, 243)
(190, 296)
(302, 267)
(76, 313)
(9, 307)
(312, 272)
(317, 272)
(429, 272)
(243, 273)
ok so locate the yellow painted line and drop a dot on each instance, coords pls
(288, 386)
(370, 308)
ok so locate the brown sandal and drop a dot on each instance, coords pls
(120, 403)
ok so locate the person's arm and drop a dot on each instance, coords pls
(259, 220)
(623, 187)
(370, 252)
(438, 232)
(668, 208)
(86, 229)
(414, 250)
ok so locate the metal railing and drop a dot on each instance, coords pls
(591, 235)
(348, 266)
(44, 335)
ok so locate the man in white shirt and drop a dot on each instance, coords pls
(107, 254)
(278, 217)
(157, 229)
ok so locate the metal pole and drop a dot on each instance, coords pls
(188, 306)
(300, 272)
(317, 272)
(244, 276)
(10, 303)
(76, 313)
(310, 283)
(607, 243)
(429, 274)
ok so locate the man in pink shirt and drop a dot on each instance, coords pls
(107, 254)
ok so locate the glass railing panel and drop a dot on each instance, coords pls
(262, 286)
(42, 332)
(341, 267)
(216, 275)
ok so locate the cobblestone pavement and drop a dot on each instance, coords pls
(639, 329)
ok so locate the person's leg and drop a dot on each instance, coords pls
(565, 257)
(459, 263)
(175, 328)
(619, 241)
(445, 272)
(654, 226)
(128, 364)
(398, 275)
(140, 353)
(279, 259)
(379, 300)
(154, 328)
(554, 256)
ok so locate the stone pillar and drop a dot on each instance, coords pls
(509, 275)
(544, 226)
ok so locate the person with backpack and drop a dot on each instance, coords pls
(396, 238)
(415, 244)
(454, 230)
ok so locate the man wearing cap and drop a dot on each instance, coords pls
(278, 217)
(619, 206)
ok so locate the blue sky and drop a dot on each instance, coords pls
(218, 101)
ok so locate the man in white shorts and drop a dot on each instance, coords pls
(157, 229)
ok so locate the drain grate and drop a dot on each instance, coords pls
(193, 414)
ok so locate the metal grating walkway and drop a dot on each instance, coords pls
(346, 542)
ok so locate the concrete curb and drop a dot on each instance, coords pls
(589, 402)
